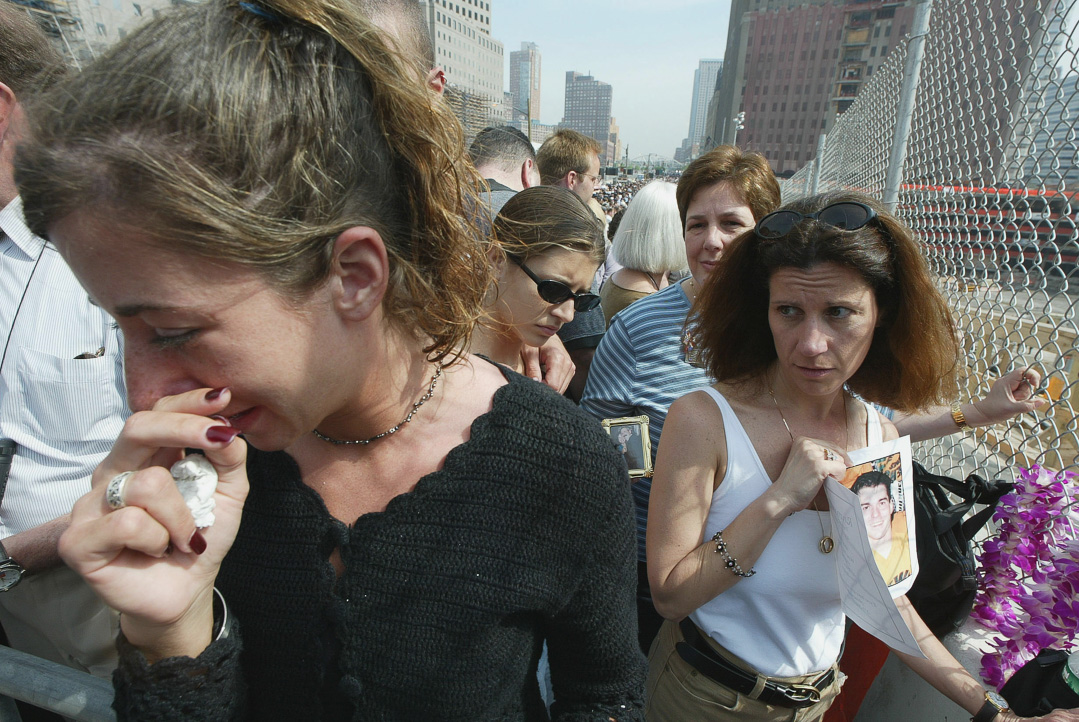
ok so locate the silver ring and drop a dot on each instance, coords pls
(114, 492)
(829, 455)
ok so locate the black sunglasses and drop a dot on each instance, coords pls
(847, 215)
(553, 291)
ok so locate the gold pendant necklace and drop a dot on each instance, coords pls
(826, 543)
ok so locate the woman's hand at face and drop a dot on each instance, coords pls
(809, 463)
(144, 559)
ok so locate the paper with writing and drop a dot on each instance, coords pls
(866, 599)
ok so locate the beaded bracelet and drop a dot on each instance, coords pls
(731, 563)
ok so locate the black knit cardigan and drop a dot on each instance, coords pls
(525, 535)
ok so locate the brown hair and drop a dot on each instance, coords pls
(29, 62)
(911, 363)
(746, 172)
(565, 151)
(542, 218)
(256, 138)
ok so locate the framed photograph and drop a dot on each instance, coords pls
(629, 434)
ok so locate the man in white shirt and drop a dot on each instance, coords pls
(62, 400)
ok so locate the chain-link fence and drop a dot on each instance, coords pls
(990, 171)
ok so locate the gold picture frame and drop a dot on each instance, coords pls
(630, 435)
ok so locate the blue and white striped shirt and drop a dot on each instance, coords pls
(63, 412)
(640, 368)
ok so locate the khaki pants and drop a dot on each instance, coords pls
(56, 616)
(676, 692)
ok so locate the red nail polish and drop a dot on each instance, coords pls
(222, 419)
(198, 542)
(221, 434)
(214, 394)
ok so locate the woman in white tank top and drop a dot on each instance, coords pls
(825, 298)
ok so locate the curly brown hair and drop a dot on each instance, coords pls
(255, 135)
(912, 359)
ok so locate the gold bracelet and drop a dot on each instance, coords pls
(958, 417)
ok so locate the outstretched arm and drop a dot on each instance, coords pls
(949, 677)
(1010, 395)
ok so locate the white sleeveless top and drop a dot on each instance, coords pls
(786, 619)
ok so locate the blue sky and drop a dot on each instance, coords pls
(646, 49)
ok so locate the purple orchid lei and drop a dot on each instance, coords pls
(1029, 591)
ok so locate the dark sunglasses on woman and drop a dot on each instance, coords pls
(847, 215)
(553, 291)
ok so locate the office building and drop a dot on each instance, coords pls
(472, 59)
(82, 29)
(704, 86)
(588, 110)
(525, 85)
(705, 81)
(793, 66)
(614, 145)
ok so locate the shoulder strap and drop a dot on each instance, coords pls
(874, 433)
(973, 490)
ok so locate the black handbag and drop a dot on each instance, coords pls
(1038, 687)
(947, 581)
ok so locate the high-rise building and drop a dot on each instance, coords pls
(82, 29)
(704, 86)
(720, 127)
(525, 85)
(588, 109)
(472, 59)
(1049, 154)
(614, 144)
(792, 66)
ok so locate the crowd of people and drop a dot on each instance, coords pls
(268, 246)
(616, 193)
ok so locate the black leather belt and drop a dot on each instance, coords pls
(698, 654)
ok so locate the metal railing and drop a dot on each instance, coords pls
(54, 687)
(974, 141)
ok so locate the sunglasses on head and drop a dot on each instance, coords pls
(553, 291)
(847, 215)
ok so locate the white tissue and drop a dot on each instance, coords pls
(196, 478)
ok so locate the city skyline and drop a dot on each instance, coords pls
(649, 65)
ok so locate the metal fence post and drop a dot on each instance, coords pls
(818, 165)
(905, 110)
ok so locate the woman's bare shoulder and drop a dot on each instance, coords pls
(695, 417)
(471, 384)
